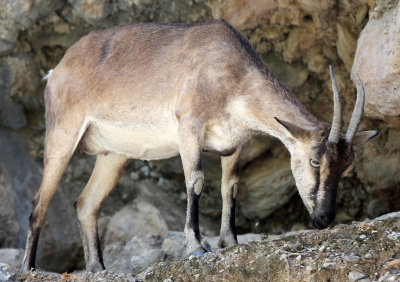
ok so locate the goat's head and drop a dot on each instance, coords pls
(321, 156)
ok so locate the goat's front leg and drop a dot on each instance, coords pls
(190, 140)
(229, 190)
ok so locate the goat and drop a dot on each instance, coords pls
(152, 91)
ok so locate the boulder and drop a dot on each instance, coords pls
(242, 14)
(18, 15)
(293, 75)
(346, 45)
(377, 63)
(19, 180)
(255, 147)
(173, 245)
(266, 185)
(11, 113)
(91, 11)
(139, 253)
(312, 6)
(12, 257)
(139, 218)
(9, 227)
(379, 167)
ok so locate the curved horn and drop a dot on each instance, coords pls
(358, 109)
(337, 112)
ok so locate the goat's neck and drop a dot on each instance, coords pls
(268, 98)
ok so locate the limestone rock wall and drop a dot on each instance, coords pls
(298, 39)
(377, 62)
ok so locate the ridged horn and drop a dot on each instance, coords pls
(358, 109)
(337, 112)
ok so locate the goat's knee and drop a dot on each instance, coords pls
(87, 217)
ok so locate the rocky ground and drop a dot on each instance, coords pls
(362, 251)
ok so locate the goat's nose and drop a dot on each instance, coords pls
(323, 220)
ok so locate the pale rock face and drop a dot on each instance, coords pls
(91, 10)
(9, 228)
(267, 185)
(242, 14)
(137, 219)
(316, 5)
(346, 44)
(248, 14)
(13, 257)
(377, 62)
(137, 254)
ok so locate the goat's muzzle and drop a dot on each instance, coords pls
(321, 220)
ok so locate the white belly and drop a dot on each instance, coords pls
(138, 141)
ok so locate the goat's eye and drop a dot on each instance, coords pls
(314, 163)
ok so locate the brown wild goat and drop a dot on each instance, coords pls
(152, 91)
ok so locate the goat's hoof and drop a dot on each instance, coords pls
(198, 252)
(227, 243)
(95, 268)
(26, 270)
(206, 246)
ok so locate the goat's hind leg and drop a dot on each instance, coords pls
(105, 175)
(60, 145)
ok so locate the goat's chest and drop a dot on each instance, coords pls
(224, 137)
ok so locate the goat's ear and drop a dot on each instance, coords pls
(296, 131)
(364, 136)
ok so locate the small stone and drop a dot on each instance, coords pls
(7, 273)
(363, 237)
(134, 175)
(394, 235)
(145, 170)
(298, 259)
(355, 276)
(351, 259)
(321, 249)
(328, 263)
(368, 256)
